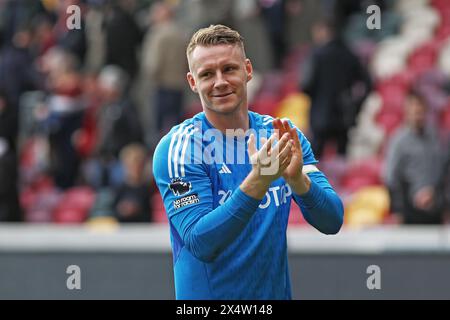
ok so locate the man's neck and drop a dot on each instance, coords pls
(235, 120)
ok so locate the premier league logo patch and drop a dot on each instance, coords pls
(179, 187)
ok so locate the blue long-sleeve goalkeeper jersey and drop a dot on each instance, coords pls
(226, 244)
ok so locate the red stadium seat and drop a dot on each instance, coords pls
(393, 91)
(265, 104)
(361, 174)
(295, 215)
(272, 83)
(74, 205)
(443, 33)
(28, 198)
(290, 84)
(193, 108)
(424, 58)
(352, 184)
(445, 119)
(159, 212)
(64, 214)
(389, 120)
(80, 197)
(334, 168)
(440, 4)
(38, 205)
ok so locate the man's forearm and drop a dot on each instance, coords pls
(321, 206)
(217, 229)
(213, 232)
(301, 186)
(254, 186)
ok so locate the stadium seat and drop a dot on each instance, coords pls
(64, 214)
(444, 58)
(159, 212)
(290, 84)
(440, 4)
(362, 173)
(391, 56)
(334, 168)
(296, 216)
(193, 108)
(369, 206)
(296, 108)
(393, 97)
(390, 121)
(272, 83)
(39, 205)
(423, 58)
(82, 197)
(445, 119)
(265, 104)
(103, 224)
(74, 205)
(28, 198)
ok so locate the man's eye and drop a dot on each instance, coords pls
(205, 74)
(228, 69)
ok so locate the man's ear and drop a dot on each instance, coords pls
(191, 81)
(249, 69)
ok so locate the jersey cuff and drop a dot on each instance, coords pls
(308, 168)
(310, 198)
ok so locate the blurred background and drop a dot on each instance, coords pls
(84, 99)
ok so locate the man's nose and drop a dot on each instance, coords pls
(220, 80)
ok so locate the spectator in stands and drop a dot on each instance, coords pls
(337, 84)
(65, 113)
(132, 197)
(44, 37)
(95, 36)
(414, 168)
(17, 72)
(117, 125)
(15, 15)
(274, 16)
(123, 36)
(445, 184)
(165, 64)
(9, 199)
(342, 10)
(72, 40)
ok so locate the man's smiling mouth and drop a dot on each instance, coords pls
(222, 95)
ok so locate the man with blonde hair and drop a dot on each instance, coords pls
(227, 177)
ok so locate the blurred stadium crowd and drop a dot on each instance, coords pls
(82, 110)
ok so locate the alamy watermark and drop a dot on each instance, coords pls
(73, 21)
(374, 280)
(73, 282)
(374, 20)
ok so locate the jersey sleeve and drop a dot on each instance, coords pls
(186, 190)
(321, 206)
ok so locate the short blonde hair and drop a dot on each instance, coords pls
(215, 35)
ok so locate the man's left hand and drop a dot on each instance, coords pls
(293, 174)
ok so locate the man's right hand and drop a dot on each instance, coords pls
(424, 198)
(268, 164)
